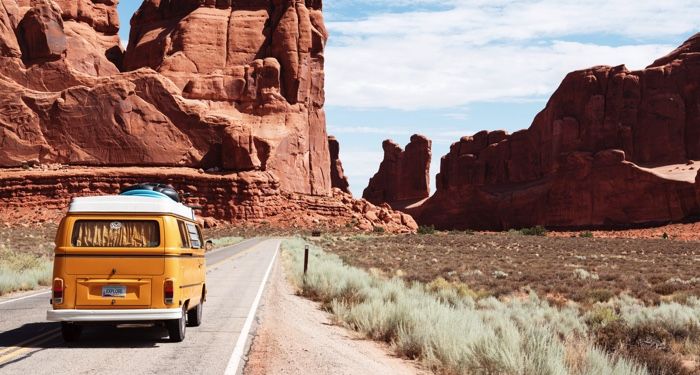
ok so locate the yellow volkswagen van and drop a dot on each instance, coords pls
(137, 257)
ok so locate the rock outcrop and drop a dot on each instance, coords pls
(613, 147)
(41, 193)
(338, 178)
(404, 176)
(231, 88)
(236, 88)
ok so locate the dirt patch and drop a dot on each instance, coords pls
(678, 232)
(296, 337)
(561, 268)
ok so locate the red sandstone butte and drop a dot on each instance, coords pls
(404, 176)
(338, 178)
(232, 89)
(613, 147)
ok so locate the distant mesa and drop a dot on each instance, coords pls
(612, 148)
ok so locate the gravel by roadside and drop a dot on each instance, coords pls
(295, 337)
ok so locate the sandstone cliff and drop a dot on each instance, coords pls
(219, 86)
(613, 147)
(338, 178)
(403, 177)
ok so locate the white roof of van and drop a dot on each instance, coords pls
(129, 204)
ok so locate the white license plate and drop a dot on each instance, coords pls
(114, 291)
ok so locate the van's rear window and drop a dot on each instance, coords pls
(116, 233)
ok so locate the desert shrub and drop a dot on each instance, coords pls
(446, 329)
(582, 274)
(378, 229)
(600, 294)
(667, 288)
(426, 229)
(658, 362)
(23, 271)
(681, 321)
(442, 287)
(586, 234)
(469, 232)
(647, 344)
(601, 316)
(534, 231)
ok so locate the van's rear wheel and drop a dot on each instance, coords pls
(176, 327)
(194, 316)
(70, 332)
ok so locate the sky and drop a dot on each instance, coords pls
(449, 68)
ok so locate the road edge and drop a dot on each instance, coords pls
(236, 361)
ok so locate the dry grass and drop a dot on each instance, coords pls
(637, 297)
(447, 329)
(583, 269)
(25, 258)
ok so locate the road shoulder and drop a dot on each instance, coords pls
(295, 337)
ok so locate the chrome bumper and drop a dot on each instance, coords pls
(135, 315)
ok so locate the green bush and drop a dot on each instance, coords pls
(426, 229)
(586, 234)
(534, 231)
(378, 229)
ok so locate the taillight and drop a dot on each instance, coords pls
(169, 291)
(57, 291)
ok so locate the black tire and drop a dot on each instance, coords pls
(71, 332)
(177, 327)
(194, 316)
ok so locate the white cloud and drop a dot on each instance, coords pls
(365, 130)
(491, 50)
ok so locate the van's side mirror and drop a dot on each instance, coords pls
(208, 245)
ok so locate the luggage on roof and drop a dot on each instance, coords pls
(147, 190)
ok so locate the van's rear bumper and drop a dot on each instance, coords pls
(131, 315)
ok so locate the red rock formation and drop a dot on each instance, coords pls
(404, 176)
(583, 161)
(204, 85)
(338, 178)
(237, 88)
(42, 193)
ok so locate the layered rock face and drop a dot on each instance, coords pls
(610, 149)
(235, 87)
(404, 176)
(338, 178)
(230, 88)
(253, 198)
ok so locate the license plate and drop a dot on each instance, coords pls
(114, 291)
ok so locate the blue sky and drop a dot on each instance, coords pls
(448, 68)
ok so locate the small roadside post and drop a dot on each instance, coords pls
(306, 259)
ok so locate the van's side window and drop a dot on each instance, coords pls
(184, 235)
(195, 238)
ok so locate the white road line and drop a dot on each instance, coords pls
(25, 297)
(235, 361)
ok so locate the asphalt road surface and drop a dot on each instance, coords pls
(235, 281)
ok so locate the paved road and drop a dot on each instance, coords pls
(31, 345)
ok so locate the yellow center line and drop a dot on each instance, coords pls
(17, 350)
